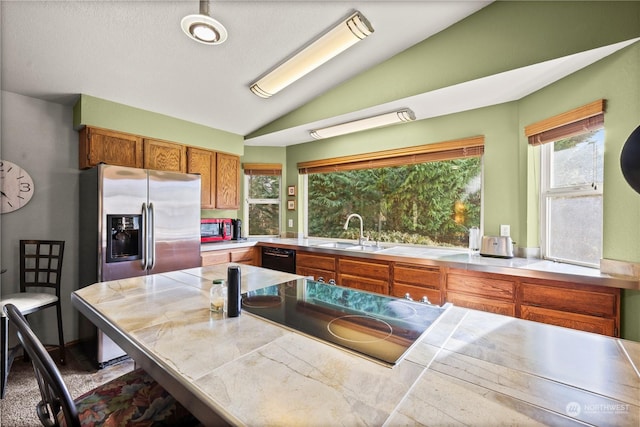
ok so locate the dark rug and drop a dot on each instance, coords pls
(18, 408)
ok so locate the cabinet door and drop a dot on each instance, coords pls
(581, 322)
(165, 156)
(203, 162)
(113, 148)
(227, 181)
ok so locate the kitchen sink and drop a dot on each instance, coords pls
(350, 246)
(337, 245)
(365, 248)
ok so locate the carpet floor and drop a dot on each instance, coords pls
(18, 408)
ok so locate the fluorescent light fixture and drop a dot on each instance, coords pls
(333, 42)
(203, 28)
(387, 119)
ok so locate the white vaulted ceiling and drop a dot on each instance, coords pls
(135, 53)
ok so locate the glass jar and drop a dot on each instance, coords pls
(218, 296)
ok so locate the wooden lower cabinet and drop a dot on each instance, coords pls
(364, 275)
(320, 267)
(241, 256)
(573, 305)
(416, 282)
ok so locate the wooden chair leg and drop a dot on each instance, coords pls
(62, 355)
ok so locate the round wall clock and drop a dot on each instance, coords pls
(16, 187)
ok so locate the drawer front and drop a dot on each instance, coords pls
(482, 304)
(416, 293)
(316, 261)
(372, 270)
(243, 255)
(572, 300)
(215, 257)
(483, 286)
(417, 275)
(364, 283)
(581, 322)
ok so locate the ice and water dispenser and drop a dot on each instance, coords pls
(124, 242)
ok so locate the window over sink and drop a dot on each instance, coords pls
(428, 195)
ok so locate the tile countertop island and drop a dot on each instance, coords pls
(471, 368)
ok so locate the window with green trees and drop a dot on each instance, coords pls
(262, 214)
(429, 203)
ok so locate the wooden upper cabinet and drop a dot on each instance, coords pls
(165, 156)
(203, 162)
(227, 181)
(113, 148)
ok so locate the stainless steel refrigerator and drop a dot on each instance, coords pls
(134, 222)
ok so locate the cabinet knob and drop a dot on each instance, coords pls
(321, 279)
(425, 300)
(332, 282)
(408, 296)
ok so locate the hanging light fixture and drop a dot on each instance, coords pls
(203, 28)
(330, 44)
(395, 117)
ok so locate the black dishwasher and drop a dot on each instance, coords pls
(279, 259)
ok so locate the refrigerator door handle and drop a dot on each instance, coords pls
(145, 245)
(152, 237)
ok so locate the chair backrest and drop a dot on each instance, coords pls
(41, 264)
(54, 392)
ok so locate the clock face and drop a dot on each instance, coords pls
(16, 187)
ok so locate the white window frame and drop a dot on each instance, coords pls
(249, 201)
(547, 193)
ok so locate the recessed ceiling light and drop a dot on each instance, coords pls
(203, 28)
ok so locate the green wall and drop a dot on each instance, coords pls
(91, 111)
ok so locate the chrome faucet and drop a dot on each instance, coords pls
(361, 239)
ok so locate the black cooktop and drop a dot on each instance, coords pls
(378, 326)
